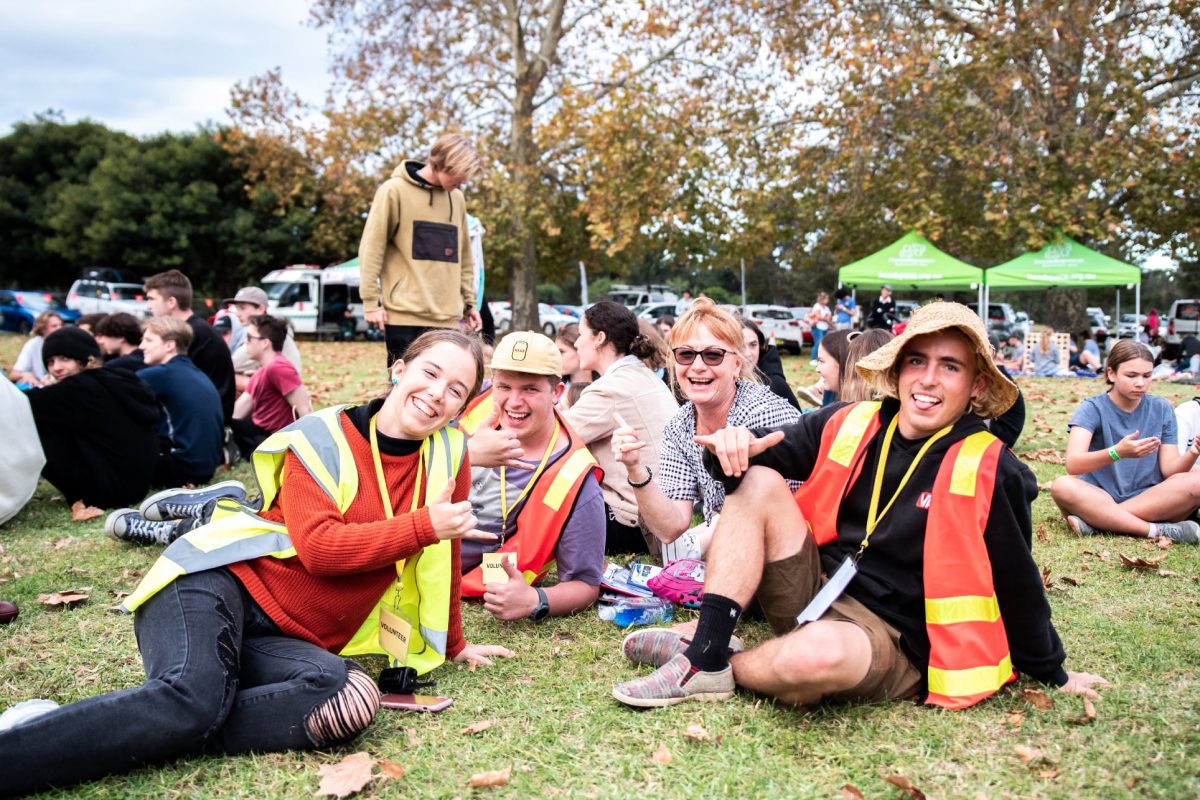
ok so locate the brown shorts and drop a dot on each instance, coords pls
(785, 590)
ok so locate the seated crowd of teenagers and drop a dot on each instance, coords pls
(511, 495)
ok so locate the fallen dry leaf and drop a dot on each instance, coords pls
(662, 755)
(1132, 782)
(1141, 563)
(851, 792)
(391, 769)
(1166, 573)
(479, 727)
(1069, 580)
(1037, 698)
(1089, 713)
(346, 777)
(1041, 533)
(413, 741)
(1163, 542)
(1049, 774)
(82, 513)
(1044, 455)
(61, 543)
(1029, 754)
(1015, 719)
(905, 785)
(696, 733)
(67, 598)
(482, 780)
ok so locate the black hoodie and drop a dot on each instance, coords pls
(99, 431)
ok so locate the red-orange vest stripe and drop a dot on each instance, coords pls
(547, 507)
(969, 657)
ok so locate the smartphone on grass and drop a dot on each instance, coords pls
(415, 702)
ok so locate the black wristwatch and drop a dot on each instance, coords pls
(649, 477)
(542, 609)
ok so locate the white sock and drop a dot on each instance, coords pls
(1153, 531)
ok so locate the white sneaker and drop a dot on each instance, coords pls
(686, 546)
(24, 711)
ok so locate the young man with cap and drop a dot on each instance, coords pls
(883, 311)
(169, 294)
(251, 301)
(535, 484)
(912, 515)
(98, 427)
(417, 271)
(275, 396)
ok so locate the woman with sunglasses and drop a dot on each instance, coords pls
(720, 385)
(611, 343)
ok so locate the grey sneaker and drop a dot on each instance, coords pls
(1186, 532)
(1080, 527)
(675, 682)
(127, 525)
(24, 711)
(657, 646)
(183, 503)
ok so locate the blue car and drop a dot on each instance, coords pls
(20, 309)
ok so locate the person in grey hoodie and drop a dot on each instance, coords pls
(416, 267)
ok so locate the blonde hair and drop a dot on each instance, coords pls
(455, 154)
(170, 329)
(42, 321)
(852, 388)
(720, 324)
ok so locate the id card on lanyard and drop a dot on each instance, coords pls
(840, 579)
(394, 630)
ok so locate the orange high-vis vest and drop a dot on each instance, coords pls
(547, 507)
(969, 658)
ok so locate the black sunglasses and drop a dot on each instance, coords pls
(710, 355)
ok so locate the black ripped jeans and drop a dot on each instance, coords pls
(220, 678)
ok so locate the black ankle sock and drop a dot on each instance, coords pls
(709, 648)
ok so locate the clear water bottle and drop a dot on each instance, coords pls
(636, 611)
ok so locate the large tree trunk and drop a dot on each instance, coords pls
(1066, 309)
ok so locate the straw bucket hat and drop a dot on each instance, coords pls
(877, 368)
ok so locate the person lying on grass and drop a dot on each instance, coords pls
(925, 511)
(243, 624)
(1125, 473)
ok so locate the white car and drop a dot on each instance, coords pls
(91, 296)
(779, 322)
(551, 319)
(654, 311)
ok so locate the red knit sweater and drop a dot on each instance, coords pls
(344, 563)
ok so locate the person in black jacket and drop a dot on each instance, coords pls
(98, 427)
(913, 475)
(169, 294)
(766, 360)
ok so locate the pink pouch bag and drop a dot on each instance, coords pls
(680, 582)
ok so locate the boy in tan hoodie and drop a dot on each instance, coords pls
(416, 268)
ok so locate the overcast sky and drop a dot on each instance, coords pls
(142, 66)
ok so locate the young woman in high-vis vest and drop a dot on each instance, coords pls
(244, 623)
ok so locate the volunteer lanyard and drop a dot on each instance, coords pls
(382, 481)
(504, 508)
(874, 515)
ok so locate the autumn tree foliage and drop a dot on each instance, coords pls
(618, 134)
(989, 126)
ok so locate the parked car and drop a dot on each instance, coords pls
(1131, 326)
(1024, 325)
(20, 309)
(94, 296)
(570, 311)
(1001, 319)
(1183, 320)
(633, 296)
(551, 320)
(655, 311)
(1098, 324)
(779, 322)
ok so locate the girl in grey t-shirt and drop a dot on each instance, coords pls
(1120, 478)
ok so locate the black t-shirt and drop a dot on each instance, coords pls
(890, 578)
(883, 314)
(210, 353)
(360, 418)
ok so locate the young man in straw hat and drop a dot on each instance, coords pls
(534, 484)
(914, 518)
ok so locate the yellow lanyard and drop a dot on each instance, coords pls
(504, 509)
(874, 516)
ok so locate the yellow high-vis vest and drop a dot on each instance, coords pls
(420, 595)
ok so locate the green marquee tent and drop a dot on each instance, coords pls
(911, 262)
(1062, 263)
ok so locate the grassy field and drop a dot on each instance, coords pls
(561, 734)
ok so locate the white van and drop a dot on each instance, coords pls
(1183, 320)
(316, 300)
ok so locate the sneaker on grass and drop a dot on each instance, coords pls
(675, 682)
(1081, 528)
(184, 503)
(128, 525)
(25, 711)
(1186, 532)
(657, 646)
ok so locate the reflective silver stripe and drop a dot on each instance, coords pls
(450, 472)
(192, 559)
(435, 639)
(315, 430)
